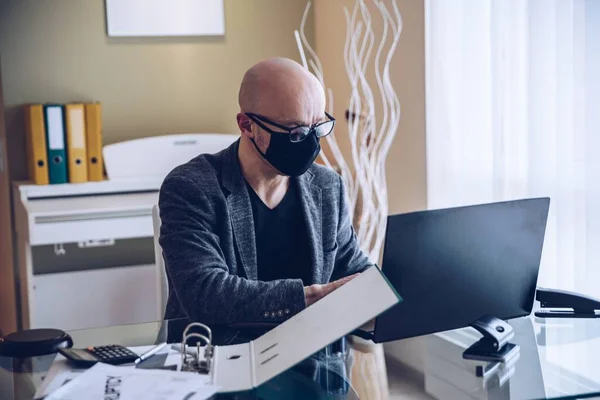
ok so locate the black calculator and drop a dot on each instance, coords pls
(112, 354)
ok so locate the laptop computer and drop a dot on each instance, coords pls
(452, 266)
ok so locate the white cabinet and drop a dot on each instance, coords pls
(86, 250)
(85, 254)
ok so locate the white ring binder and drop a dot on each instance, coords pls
(244, 366)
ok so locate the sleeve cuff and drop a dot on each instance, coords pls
(291, 303)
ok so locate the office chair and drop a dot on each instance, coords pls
(161, 274)
(175, 150)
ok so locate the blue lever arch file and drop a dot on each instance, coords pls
(55, 132)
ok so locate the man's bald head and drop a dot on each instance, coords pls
(282, 89)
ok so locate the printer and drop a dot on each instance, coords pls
(85, 251)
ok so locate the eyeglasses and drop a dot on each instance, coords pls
(296, 133)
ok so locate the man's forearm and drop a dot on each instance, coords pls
(220, 298)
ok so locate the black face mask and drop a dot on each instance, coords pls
(289, 158)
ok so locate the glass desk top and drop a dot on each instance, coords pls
(558, 359)
(19, 379)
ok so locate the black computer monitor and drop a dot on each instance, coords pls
(452, 266)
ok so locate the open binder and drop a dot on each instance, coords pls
(246, 366)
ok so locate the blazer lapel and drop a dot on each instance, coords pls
(311, 206)
(240, 211)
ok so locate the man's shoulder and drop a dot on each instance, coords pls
(200, 170)
(325, 177)
(203, 172)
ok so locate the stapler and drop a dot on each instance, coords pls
(564, 304)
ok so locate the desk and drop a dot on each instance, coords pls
(289, 385)
(559, 359)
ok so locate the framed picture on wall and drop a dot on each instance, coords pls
(165, 18)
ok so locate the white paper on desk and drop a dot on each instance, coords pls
(108, 382)
(245, 366)
(62, 371)
(59, 374)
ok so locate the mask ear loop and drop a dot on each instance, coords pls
(263, 155)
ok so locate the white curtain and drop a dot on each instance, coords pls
(513, 111)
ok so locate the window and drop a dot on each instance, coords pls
(513, 111)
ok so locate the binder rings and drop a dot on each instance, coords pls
(246, 366)
(35, 137)
(93, 131)
(76, 149)
(55, 135)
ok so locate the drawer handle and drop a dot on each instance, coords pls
(59, 250)
(96, 243)
(88, 216)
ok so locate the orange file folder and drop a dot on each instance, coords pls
(76, 148)
(35, 136)
(93, 130)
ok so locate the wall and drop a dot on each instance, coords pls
(406, 164)
(58, 51)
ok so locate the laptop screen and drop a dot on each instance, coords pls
(452, 266)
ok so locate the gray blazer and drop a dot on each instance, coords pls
(208, 241)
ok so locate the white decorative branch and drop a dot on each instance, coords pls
(370, 138)
(333, 145)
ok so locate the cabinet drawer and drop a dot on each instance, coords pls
(78, 257)
(94, 298)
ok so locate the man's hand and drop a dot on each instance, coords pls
(313, 293)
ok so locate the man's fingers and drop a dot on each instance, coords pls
(349, 278)
(315, 292)
(345, 280)
(336, 284)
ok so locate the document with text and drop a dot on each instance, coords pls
(108, 382)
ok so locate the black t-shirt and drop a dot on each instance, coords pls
(282, 244)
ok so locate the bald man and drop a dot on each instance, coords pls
(257, 232)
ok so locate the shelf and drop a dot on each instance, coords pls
(32, 191)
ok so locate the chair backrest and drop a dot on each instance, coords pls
(161, 273)
(156, 156)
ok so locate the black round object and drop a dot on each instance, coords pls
(34, 342)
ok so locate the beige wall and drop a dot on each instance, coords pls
(406, 169)
(58, 51)
(406, 162)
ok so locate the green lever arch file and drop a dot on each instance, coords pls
(55, 132)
